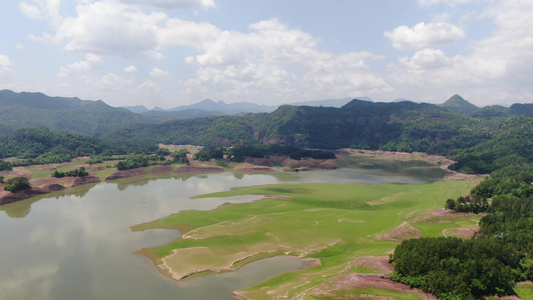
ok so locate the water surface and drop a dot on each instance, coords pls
(77, 244)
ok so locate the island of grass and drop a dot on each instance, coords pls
(331, 225)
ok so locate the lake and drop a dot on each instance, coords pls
(77, 244)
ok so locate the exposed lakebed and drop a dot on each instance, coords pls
(77, 244)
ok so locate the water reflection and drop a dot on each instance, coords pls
(77, 243)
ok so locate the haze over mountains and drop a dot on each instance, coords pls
(209, 107)
(95, 118)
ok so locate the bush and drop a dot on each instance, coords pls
(16, 184)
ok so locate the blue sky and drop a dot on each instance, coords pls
(168, 53)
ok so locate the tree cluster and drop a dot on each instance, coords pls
(488, 264)
(16, 184)
(81, 172)
(42, 146)
(452, 268)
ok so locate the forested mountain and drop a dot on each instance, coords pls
(29, 110)
(459, 105)
(480, 139)
(404, 126)
(41, 145)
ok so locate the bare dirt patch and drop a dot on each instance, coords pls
(460, 232)
(193, 168)
(248, 167)
(380, 263)
(140, 171)
(376, 281)
(401, 233)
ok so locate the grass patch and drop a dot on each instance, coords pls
(371, 294)
(525, 291)
(332, 222)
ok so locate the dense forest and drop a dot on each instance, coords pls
(493, 261)
(41, 146)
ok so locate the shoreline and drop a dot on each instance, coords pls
(44, 185)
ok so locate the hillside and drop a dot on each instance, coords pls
(459, 105)
(404, 126)
(29, 110)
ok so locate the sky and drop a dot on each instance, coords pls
(168, 53)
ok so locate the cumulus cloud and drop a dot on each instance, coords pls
(158, 73)
(130, 69)
(174, 4)
(42, 9)
(424, 35)
(497, 67)
(270, 60)
(91, 61)
(108, 27)
(5, 63)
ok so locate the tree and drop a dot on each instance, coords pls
(16, 184)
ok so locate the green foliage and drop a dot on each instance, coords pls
(16, 184)
(30, 110)
(42, 146)
(468, 204)
(452, 268)
(180, 156)
(395, 126)
(511, 144)
(81, 172)
(238, 153)
(4, 166)
(134, 161)
(209, 152)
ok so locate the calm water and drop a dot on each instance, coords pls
(78, 245)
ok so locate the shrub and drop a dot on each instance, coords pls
(16, 184)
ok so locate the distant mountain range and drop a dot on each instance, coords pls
(96, 118)
(208, 107)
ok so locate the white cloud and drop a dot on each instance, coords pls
(158, 73)
(19, 47)
(130, 69)
(496, 68)
(424, 35)
(273, 57)
(451, 3)
(42, 9)
(426, 59)
(108, 27)
(91, 61)
(5, 63)
(174, 4)
(270, 58)
(30, 10)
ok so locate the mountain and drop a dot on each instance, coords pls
(182, 114)
(136, 109)
(328, 102)
(402, 100)
(403, 126)
(459, 105)
(29, 110)
(221, 107)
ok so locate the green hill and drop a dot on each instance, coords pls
(403, 126)
(30, 110)
(459, 105)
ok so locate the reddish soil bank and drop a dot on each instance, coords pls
(377, 281)
(140, 172)
(248, 167)
(44, 185)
